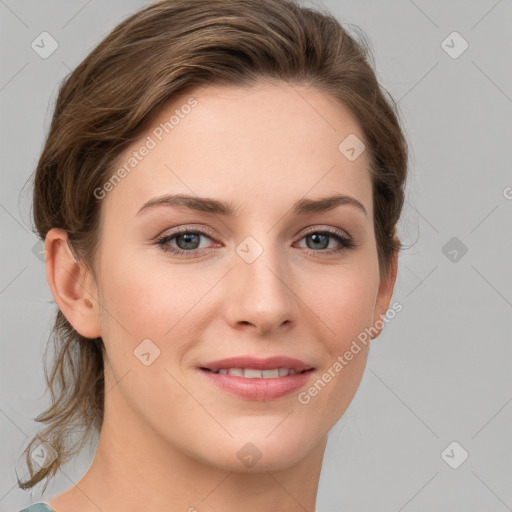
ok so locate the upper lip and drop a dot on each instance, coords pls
(268, 363)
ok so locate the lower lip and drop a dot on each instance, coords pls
(259, 389)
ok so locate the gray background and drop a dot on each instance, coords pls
(440, 372)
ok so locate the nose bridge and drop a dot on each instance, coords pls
(261, 294)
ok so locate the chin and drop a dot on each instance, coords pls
(261, 452)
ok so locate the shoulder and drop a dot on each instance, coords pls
(38, 507)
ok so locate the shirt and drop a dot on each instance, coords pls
(38, 507)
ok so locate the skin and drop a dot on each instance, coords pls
(170, 438)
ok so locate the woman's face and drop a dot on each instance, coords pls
(263, 273)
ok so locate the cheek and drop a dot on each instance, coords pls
(145, 301)
(344, 306)
(344, 303)
(154, 301)
(343, 310)
(140, 303)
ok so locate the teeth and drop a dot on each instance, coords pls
(251, 373)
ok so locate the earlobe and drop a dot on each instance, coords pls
(71, 285)
(385, 293)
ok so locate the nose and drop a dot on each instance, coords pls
(260, 294)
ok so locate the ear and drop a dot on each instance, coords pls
(71, 284)
(384, 295)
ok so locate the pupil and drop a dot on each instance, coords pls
(190, 240)
(316, 237)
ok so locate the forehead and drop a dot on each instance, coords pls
(260, 145)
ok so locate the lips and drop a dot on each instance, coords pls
(258, 379)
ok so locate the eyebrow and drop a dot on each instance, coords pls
(208, 205)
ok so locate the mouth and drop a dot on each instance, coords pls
(258, 379)
(254, 373)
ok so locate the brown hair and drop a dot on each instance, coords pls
(105, 104)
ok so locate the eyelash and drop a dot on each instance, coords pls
(346, 242)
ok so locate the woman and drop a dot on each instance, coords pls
(218, 194)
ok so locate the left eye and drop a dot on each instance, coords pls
(320, 242)
(322, 239)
